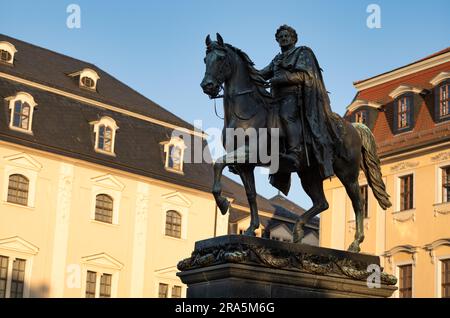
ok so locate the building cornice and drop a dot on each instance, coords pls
(402, 71)
(99, 104)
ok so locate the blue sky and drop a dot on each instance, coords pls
(157, 47)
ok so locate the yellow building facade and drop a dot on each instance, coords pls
(407, 110)
(95, 198)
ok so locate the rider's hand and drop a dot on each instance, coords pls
(276, 81)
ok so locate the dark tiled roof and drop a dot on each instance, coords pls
(285, 203)
(50, 68)
(62, 125)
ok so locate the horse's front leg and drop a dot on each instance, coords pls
(221, 201)
(248, 179)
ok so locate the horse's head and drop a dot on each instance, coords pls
(218, 67)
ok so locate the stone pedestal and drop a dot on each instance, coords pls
(236, 266)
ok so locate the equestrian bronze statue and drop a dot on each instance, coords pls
(314, 142)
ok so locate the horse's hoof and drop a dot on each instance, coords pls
(224, 204)
(354, 247)
(250, 232)
(299, 233)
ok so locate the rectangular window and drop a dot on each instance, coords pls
(446, 184)
(163, 288)
(3, 275)
(91, 280)
(361, 117)
(405, 281)
(403, 113)
(406, 192)
(444, 100)
(176, 292)
(18, 278)
(445, 278)
(365, 198)
(105, 286)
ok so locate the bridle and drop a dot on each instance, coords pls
(221, 78)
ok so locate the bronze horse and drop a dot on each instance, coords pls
(244, 93)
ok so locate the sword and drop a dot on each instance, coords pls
(301, 92)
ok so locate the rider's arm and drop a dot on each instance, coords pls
(267, 72)
(291, 78)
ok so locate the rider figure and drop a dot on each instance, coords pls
(296, 81)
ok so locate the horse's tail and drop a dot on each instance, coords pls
(370, 164)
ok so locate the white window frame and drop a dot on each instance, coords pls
(11, 49)
(111, 186)
(176, 142)
(24, 98)
(101, 264)
(17, 248)
(107, 122)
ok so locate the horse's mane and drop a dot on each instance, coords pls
(255, 75)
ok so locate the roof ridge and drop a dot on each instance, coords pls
(48, 50)
(440, 52)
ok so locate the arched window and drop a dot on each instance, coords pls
(18, 189)
(21, 116)
(105, 138)
(173, 224)
(175, 158)
(103, 208)
(21, 108)
(5, 56)
(105, 133)
(174, 151)
(88, 82)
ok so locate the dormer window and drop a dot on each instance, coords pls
(21, 108)
(174, 150)
(87, 79)
(105, 132)
(441, 83)
(7, 51)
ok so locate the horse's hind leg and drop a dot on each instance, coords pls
(248, 179)
(313, 186)
(350, 182)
